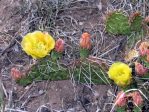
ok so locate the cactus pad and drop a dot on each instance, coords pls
(136, 22)
(45, 70)
(117, 23)
(84, 72)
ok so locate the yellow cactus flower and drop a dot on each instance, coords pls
(38, 44)
(120, 73)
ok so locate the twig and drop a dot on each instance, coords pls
(26, 91)
(14, 110)
(108, 51)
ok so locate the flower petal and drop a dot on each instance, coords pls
(38, 44)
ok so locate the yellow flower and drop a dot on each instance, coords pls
(38, 44)
(120, 73)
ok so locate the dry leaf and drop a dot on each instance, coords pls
(131, 55)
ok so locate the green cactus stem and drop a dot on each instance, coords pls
(84, 72)
(56, 55)
(84, 53)
(87, 72)
(136, 22)
(117, 23)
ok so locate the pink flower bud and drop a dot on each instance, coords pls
(59, 46)
(144, 48)
(16, 74)
(137, 98)
(140, 69)
(121, 99)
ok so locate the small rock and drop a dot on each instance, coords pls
(81, 23)
(71, 110)
(27, 87)
(41, 92)
(99, 6)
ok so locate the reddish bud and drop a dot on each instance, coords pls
(144, 48)
(85, 41)
(121, 99)
(140, 69)
(137, 98)
(16, 74)
(59, 46)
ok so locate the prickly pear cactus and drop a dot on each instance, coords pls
(117, 23)
(46, 69)
(84, 53)
(90, 73)
(82, 72)
(122, 109)
(136, 22)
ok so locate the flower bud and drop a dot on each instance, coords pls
(137, 98)
(59, 46)
(121, 99)
(85, 41)
(16, 74)
(140, 69)
(144, 48)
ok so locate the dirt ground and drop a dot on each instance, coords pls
(56, 96)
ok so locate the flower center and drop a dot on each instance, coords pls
(121, 73)
(40, 46)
